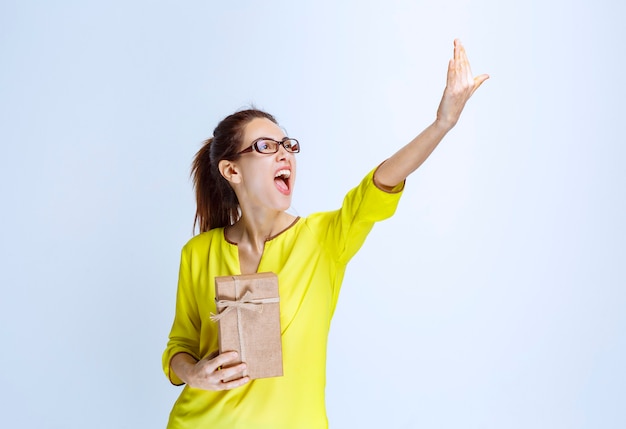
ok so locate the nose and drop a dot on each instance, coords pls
(282, 152)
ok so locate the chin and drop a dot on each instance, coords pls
(284, 204)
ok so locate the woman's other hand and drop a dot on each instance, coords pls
(209, 374)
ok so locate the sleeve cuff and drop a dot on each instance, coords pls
(390, 190)
(167, 365)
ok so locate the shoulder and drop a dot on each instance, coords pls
(204, 241)
(319, 220)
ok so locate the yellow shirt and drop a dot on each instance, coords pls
(310, 259)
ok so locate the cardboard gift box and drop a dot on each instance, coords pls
(249, 322)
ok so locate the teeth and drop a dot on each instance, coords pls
(285, 174)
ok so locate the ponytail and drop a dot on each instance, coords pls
(217, 205)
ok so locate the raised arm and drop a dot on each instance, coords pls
(460, 86)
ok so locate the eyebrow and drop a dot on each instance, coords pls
(270, 138)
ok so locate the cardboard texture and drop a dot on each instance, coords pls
(249, 322)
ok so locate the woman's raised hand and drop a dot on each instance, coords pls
(460, 86)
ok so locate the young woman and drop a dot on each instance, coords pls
(244, 178)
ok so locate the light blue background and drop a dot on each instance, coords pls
(493, 299)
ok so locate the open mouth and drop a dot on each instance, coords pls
(282, 181)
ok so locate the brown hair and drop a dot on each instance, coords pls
(216, 203)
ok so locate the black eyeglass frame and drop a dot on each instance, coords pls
(254, 146)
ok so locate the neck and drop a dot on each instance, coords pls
(255, 231)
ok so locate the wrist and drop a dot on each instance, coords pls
(182, 364)
(442, 126)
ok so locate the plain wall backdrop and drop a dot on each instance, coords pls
(493, 299)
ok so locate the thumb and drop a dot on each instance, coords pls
(478, 80)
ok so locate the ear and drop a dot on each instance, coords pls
(229, 170)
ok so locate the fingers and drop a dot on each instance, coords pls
(229, 378)
(220, 373)
(224, 359)
(460, 59)
(457, 49)
(461, 63)
(451, 74)
(226, 366)
(460, 71)
(227, 385)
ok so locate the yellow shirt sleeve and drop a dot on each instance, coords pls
(185, 332)
(347, 228)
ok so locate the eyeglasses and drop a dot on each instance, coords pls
(268, 146)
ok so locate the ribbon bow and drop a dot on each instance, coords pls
(243, 303)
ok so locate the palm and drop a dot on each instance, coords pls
(460, 86)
